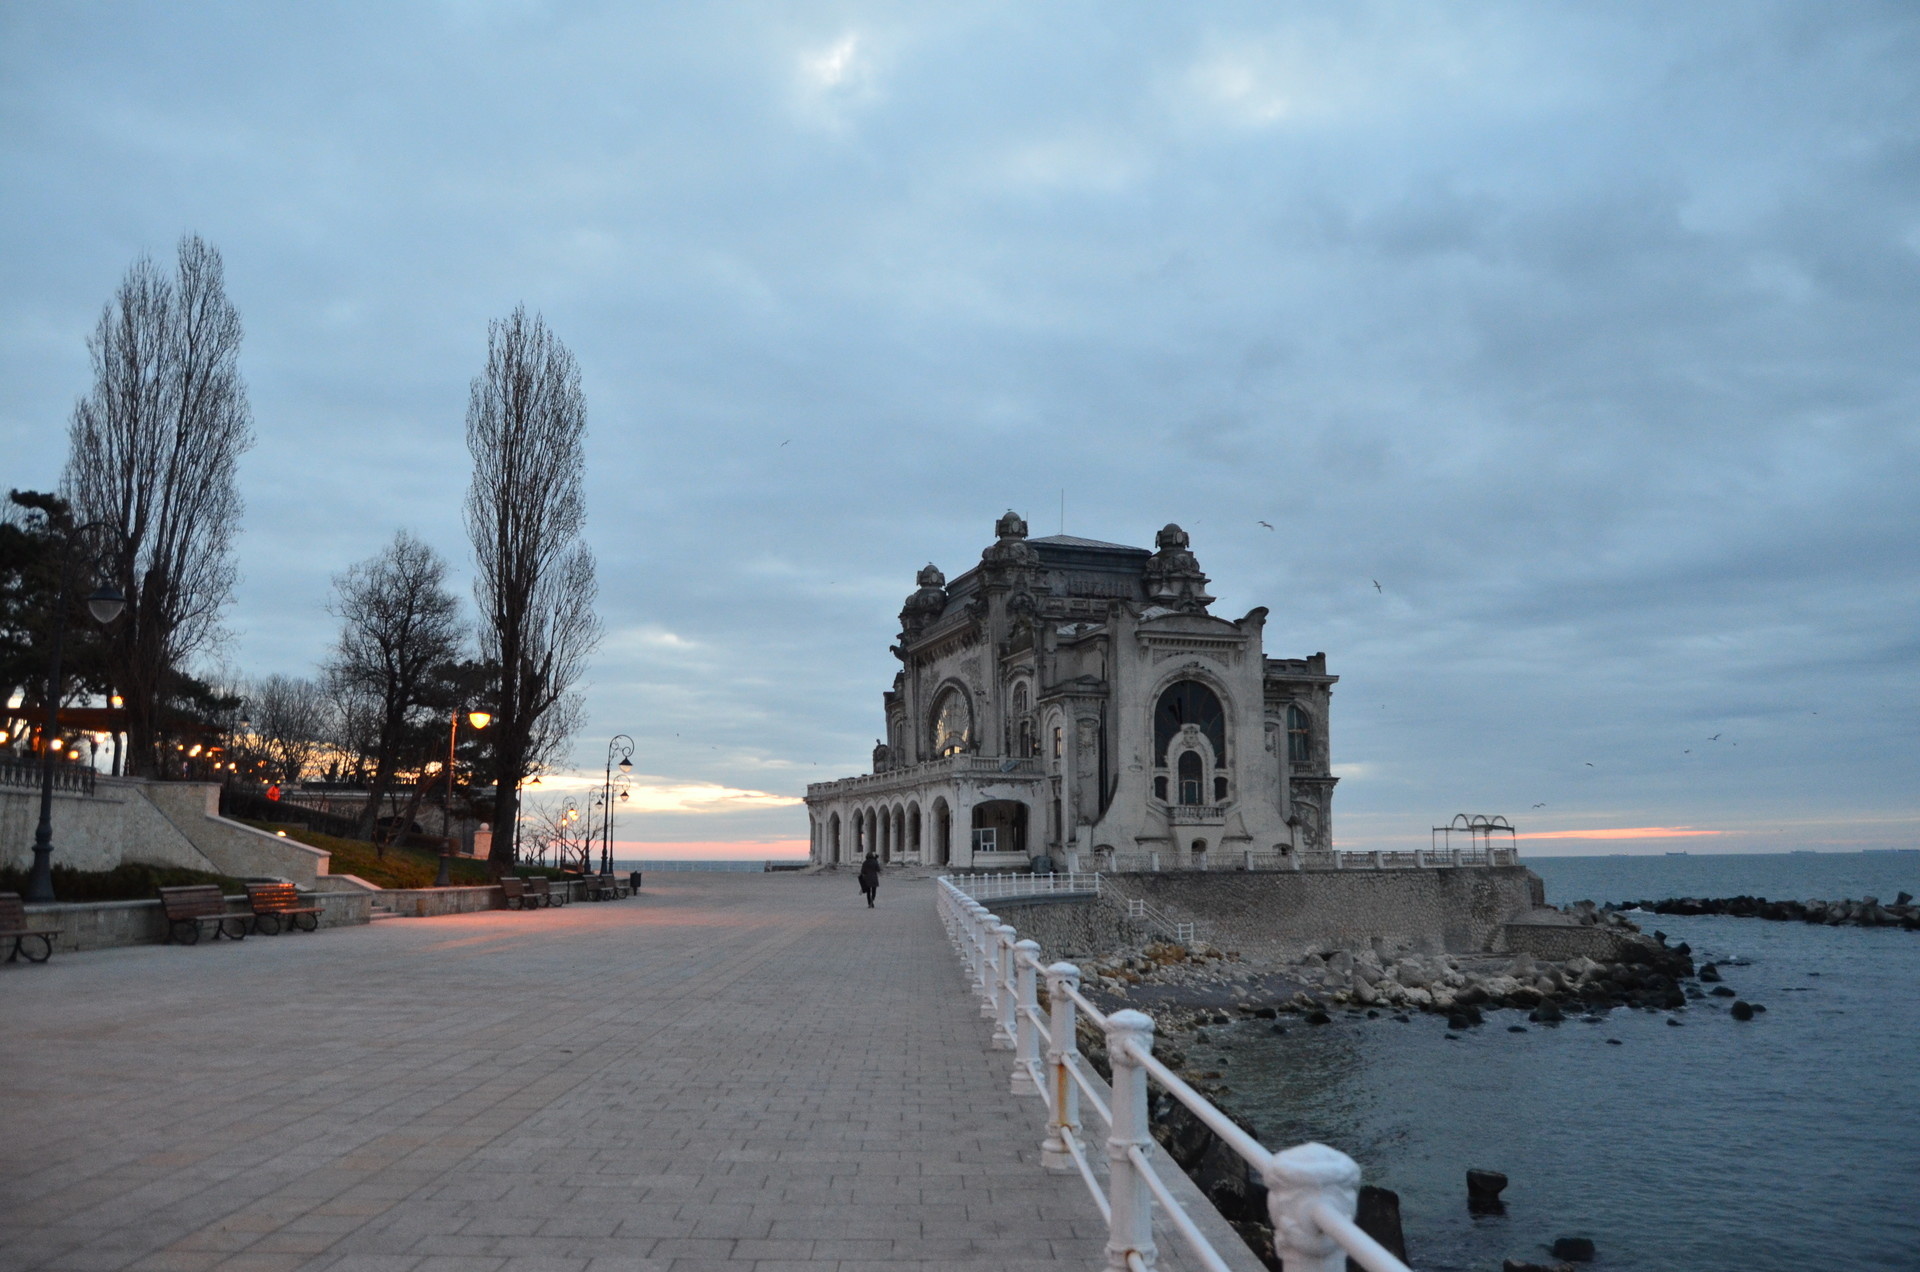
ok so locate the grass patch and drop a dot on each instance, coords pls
(128, 881)
(400, 867)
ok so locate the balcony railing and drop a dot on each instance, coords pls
(994, 767)
(73, 778)
(1311, 1188)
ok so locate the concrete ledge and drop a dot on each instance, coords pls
(426, 903)
(100, 925)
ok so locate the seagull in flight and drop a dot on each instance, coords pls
(1267, 524)
(1714, 738)
(1688, 751)
(1376, 585)
(1539, 805)
(1589, 763)
(783, 443)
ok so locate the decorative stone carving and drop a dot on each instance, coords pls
(925, 605)
(1010, 549)
(882, 756)
(1173, 576)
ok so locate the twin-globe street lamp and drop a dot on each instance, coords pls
(479, 720)
(105, 604)
(620, 745)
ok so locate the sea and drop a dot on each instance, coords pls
(1678, 1141)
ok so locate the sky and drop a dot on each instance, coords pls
(1587, 333)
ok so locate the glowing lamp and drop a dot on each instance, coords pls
(480, 719)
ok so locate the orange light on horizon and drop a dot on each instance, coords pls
(1621, 832)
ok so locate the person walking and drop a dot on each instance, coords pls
(870, 878)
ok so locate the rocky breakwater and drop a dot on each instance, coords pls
(1866, 912)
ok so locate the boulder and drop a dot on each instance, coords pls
(1742, 1011)
(1483, 1192)
(1573, 1249)
(1378, 1215)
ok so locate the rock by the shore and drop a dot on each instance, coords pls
(1483, 1192)
(1865, 912)
(1573, 1249)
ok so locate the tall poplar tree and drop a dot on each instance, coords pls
(153, 452)
(534, 585)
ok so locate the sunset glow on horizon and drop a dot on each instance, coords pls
(1622, 832)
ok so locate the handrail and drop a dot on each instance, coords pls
(982, 887)
(1311, 1188)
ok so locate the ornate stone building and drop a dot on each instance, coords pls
(1073, 703)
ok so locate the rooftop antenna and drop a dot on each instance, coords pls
(1063, 510)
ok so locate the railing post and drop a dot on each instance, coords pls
(1128, 1197)
(1003, 988)
(1063, 1043)
(1026, 1038)
(989, 966)
(1298, 1180)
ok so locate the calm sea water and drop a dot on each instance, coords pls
(1785, 1144)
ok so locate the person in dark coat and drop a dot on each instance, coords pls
(870, 877)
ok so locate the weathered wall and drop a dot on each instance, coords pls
(1559, 941)
(1071, 929)
(158, 823)
(425, 903)
(1288, 915)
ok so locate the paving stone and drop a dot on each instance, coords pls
(727, 1071)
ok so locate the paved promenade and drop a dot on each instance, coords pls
(729, 1071)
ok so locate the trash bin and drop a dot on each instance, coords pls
(634, 879)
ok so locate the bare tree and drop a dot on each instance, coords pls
(153, 451)
(526, 423)
(290, 718)
(399, 627)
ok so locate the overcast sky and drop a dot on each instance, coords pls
(1589, 333)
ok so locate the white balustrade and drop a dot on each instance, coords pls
(1311, 1188)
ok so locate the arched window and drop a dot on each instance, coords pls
(952, 723)
(1021, 743)
(1190, 777)
(1190, 702)
(1299, 736)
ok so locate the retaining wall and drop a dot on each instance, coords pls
(1560, 941)
(158, 823)
(1286, 916)
(95, 925)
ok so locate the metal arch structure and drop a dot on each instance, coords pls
(1479, 829)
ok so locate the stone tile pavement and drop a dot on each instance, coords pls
(729, 1071)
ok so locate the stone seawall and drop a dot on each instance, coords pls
(1285, 916)
(1559, 942)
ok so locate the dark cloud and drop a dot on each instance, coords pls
(1589, 333)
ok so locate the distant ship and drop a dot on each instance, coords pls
(1802, 852)
(1681, 853)
(1912, 850)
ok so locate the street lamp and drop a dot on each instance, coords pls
(622, 746)
(479, 720)
(105, 604)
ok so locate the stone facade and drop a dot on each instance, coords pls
(1068, 701)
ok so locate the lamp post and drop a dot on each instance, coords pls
(105, 604)
(620, 745)
(479, 720)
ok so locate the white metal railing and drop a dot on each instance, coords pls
(1311, 1188)
(985, 887)
(1230, 859)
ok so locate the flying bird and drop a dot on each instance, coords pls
(1688, 751)
(1376, 585)
(1589, 763)
(1267, 524)
(1714, 738)
(1539, 805)
(783, 443)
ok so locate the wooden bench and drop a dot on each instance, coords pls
(602, 888)
(270, 901)
(540, 889)
(513, 889)
(14, 927)
(190, 906)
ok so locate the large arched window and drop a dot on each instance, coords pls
(1299, 736)
(1190, 702)
(952, 723)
